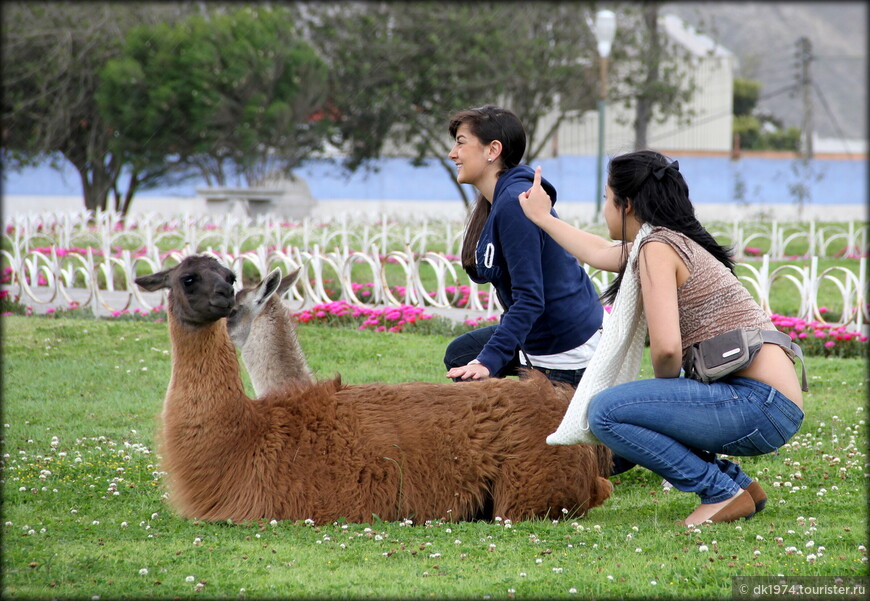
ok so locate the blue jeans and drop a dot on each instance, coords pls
(467, 346)
(666, 425)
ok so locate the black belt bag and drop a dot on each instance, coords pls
(719, 356)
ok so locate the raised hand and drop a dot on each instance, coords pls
(535, 201)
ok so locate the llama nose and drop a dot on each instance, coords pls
(226, 293)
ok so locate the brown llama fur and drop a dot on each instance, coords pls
(327, 451)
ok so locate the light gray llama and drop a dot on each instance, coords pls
(260, 325)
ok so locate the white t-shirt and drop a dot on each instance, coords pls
(576, 358)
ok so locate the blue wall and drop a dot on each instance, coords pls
(710, 179)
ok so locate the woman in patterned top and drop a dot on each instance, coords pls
(670, 424)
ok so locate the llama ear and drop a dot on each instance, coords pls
(155, 281)
(289, 281)
(269, 285)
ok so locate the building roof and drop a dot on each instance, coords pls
(696, 43)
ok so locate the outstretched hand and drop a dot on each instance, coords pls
(472, 371)
(535, 201)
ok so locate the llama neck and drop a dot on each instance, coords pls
(204, 364)
(272, 354)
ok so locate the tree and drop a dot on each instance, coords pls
(757, 130)
(649, 70)
(746, 94)
(229, 93)
(52, 53)
(397, 70)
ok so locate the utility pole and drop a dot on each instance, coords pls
(805, 56)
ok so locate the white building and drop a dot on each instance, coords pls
(712, 67)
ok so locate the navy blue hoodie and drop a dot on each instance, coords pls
(551, 305)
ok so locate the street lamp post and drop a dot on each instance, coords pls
(605, 31)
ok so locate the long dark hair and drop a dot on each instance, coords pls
(660, 197)
(488, 123)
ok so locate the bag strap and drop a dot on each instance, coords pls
(785, 341)
(526, 355)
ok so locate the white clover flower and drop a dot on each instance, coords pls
(189, 579)
(811, 558)
(572, 591)
(143, 572)
(273, 523)
(703, 548)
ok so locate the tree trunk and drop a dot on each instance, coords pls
(459, 187)
(643, 110)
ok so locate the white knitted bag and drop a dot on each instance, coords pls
(615, 361)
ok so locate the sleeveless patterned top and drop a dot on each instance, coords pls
(712, 300)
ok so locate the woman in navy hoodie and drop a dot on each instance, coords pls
(551, 309)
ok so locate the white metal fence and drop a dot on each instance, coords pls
(58, 259)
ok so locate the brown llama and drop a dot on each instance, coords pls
(325, 451)
(261, 327)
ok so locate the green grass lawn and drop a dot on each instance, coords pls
(85, 515)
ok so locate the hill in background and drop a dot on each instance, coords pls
(763, 36)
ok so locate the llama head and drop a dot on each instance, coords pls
(200, 289)
(251, 301)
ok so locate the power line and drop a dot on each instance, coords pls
(831, 115)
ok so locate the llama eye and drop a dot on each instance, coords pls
(188, 280)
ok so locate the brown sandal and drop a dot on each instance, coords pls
(741, 507)
(758, 495)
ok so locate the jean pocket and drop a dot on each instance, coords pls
(749, 446)
(791, 412)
